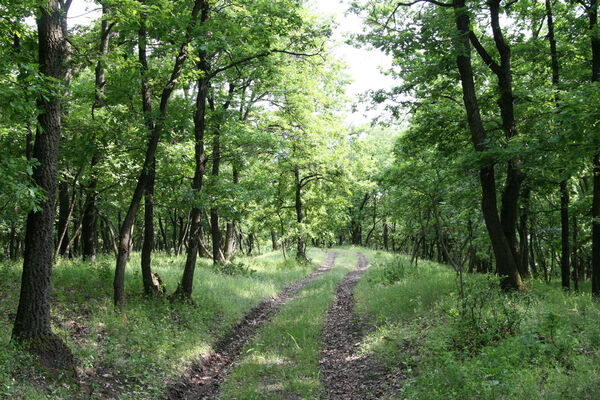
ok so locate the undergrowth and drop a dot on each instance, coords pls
(539, 344)
(132, 355)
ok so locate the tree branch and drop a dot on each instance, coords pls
(485, 56)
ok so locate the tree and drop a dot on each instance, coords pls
(32, 322)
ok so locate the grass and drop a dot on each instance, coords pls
(540, 344)
(137, 351)
(282, 362)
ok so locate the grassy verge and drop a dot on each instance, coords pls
(282, 362)
(135, 352)
(541, 344)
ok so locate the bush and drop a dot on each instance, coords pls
(392, 271)
(486, 314)
(234, 269)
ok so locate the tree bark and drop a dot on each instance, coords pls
(230, 232)
(574, 256)
(524, 232)
(301, 247)
(32, 322)
(385, 234)
(89, 230)
(148, 246)
(64, 210)
(155, 130)
(505, 260)
(215, 231)
(185, 288)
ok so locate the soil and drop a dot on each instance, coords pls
(346, 374)
(204, 377)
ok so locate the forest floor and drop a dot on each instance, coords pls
(331, 329)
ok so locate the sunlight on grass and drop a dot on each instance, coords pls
(283, 360)
(153, 340)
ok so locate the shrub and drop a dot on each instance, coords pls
(234, 269)
(392, 271)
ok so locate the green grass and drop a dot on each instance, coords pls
(541, 344)
(151, 341)
(282, 362)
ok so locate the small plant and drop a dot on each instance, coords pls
(484, 314)
(234, 269)
(391, 272)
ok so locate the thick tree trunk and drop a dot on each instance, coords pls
(274, 240)
(155, 130)
(505, 261)
(32, 322)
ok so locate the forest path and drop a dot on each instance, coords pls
(346, 374)
(204, 377)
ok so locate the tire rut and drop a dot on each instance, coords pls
(345, 374)
(205, 376)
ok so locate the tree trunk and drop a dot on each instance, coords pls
(12, 247)
(164, 236)
(565, 268)
(274, 240)
(215, 231)
(32, 322)
(155, 130)
(230, 232)
(574, 256)
(505, 261)
(149, 287)
(524, 232)
(301, 247)
(385, 235)
(564, 192)
(186, 286)
(89, 230)
(596, 229)
(64, 210)
(250, 243)
(595, 38)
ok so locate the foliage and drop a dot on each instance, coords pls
(234, 269)
(542, 345)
